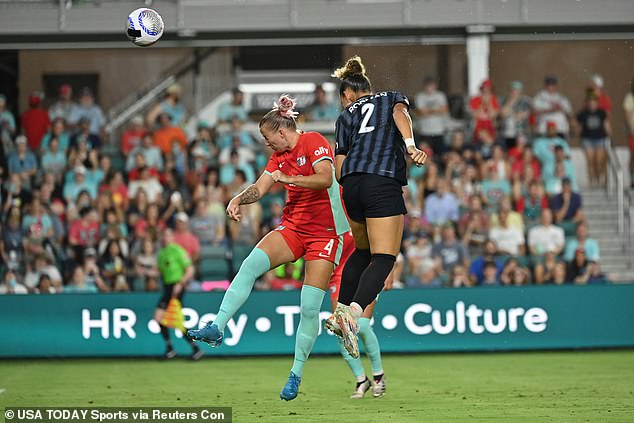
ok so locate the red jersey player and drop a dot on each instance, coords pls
(313, 224)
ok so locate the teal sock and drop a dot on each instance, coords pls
(254, 266)
(308, 329)
(354, 363)
(371, 345)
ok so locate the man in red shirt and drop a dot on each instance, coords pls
(131, 137)
(184, 237)
(35, 122)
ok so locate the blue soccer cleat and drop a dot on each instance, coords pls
(209, 334)
(290, 390)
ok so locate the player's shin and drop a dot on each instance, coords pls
(354, 363)
(308, 329)
(371, 345)
(373, 279)
(352, 271)
(255, 265)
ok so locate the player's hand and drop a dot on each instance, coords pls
(418, 156)
(280, 177)
(233, 210)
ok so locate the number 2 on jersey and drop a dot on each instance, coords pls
(366, 111)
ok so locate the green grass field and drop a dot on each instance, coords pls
(594, 386)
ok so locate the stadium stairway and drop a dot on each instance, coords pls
(602, 212)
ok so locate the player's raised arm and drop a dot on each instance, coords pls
(403, 122)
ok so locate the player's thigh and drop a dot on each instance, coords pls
(318, 273)
(384, 234)
(278, 248)
(360, 235)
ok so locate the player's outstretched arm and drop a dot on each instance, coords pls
(321, 179)
(251, 194)
(404, 124)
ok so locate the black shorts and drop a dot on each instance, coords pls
(167, 296)
(368, 195)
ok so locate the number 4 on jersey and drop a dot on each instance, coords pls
(366, 111)
(328, 249)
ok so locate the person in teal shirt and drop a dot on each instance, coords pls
(589, 245)
(544, 147)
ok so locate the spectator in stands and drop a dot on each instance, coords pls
(146, 264)
(184, 237)
(150, 224)
(7, 120)
(546, 238)
(114, 267)
(87, 278)
(322, 109)
(508, 239)
(132, 136)
(441, 206)
(474, 225)
(477, 268)
(236, 174)
(138, 208)
(64, 107)
(567, 207)
(577, 268)
(582, 241)
(544, 146)
(558, 275)
(151, 155)
(595, 130)
(37, 220)
(79, 183)
(628, 109)
(234, 108)
(17, 193)
(117, 188)
(84, 135)
(500, 162)
(467, 184)
(42, 266)
(490, 274)
(527, 160)
(209, 228)
(513, 273)
(274, 218)
(168, 136)
(493, 187)
(460, 278)
(432, 111)
(484, 109)
(12, 242)
(171, 105)
(593, 275)
(604, 102)
(545, 267)
(35, 121)
(54, 160)
(11, 285)
(83, 233)
(530, 205)
(424, 275)
(551, 106)
(449, 252)
(202, 150)
(45, 285)
(22, 161)
(554, 172)
(149, 183)
(247, 230)
(236, 131)
(58, 130)
(140, 163)
(88, 109)
(246, 155)
(515, 113)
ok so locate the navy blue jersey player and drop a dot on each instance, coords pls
(373, 134)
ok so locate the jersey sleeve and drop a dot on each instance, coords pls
(272, 165)
(183, 258)
(318, 149)
(342, 136)
(399, 98)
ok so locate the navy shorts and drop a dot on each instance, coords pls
(366, 195)
(167, 296)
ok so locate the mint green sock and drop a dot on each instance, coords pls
(371, 345)
(254, 266)
(308, 329)
(354, 363)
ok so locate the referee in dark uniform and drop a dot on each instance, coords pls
(176, 270)
(373, 133)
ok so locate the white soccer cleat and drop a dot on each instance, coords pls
(378, 387)
(349, 329)
(332, 326)
(361, 389)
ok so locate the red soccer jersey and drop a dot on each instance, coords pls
(308, 211)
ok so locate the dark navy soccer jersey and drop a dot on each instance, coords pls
(367, 135)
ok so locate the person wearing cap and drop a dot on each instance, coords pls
(184, 237)
(35, 121)
(77, 184)
(7, 121)
(484, 109)
(551, 106)
(515, 112)
(595, 133)
(234, 108)
(432, 111)
(89, 110)
(132, 136)
(544, 146)
(604, 102)
(22, 161)
(64, 107)
(167, 136)
(172, 105)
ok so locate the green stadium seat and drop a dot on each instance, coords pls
(240, 252)
(213, 269)
(213, 252)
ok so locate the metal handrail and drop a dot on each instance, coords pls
(616, 171)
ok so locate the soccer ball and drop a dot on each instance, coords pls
(145, 27)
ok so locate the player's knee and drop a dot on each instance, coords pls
(383, 261)
(256, 264)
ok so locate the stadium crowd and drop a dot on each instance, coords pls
(497, 204)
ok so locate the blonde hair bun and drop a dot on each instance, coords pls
(353, 66)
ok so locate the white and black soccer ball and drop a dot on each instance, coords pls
(144, 27)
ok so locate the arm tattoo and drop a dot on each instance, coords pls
(249, 195)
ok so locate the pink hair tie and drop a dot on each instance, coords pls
(285, 106)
